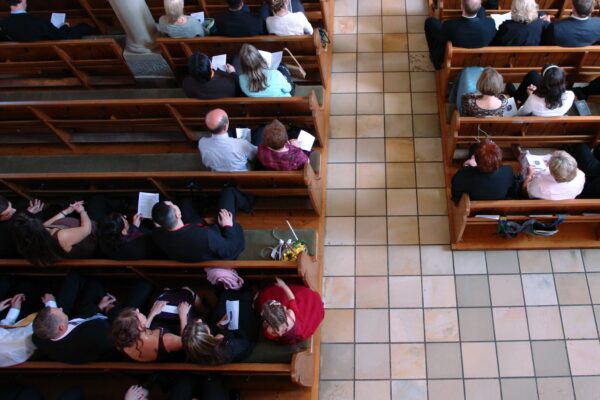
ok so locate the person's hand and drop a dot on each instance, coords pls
(5, 303)
(470, 162)
(157, 308)
(225, 218)
(183, 309)
(71, 208)
(48, 297)
(530, 89)
(279, 282)
(546, 18)
(35, 206)
(223, 321)
(78, 207)
(230, 68)
(530, 170)
(106, 303)
(136, 392)
(137, 220)
(294, 142)
(17, 300)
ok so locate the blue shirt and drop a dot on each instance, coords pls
(277, 85)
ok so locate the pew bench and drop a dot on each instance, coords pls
(450, 9)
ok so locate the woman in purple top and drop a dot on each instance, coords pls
(277, 152)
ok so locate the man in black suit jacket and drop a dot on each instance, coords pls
(85, 338)
(8, 248)
(239, 21)
(473, 30)
(23, 27)
(580, 29)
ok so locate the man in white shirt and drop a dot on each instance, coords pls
(220, 152)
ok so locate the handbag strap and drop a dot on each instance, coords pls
(294, 58)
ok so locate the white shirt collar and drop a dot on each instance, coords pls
(471, 17)
(580, 18)
(19, 12)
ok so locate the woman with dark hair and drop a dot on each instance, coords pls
(257, 80)
(120, 240)
(483, 177)
(206, 82)
(545, 95)
(291, 314)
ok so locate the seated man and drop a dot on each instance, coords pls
(85, 338)
(239, 21)
(589, 163)
(8, 248)
(473, 30)
(580, 29)
(186, 237)
(23, 27)
(220, 152)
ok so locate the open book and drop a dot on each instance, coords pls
(145, 203)
(306, 140)
(273, 59)
(539, 163)
(243, 133)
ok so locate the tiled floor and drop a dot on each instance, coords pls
(407, 319)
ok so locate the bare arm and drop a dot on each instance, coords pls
(72, 236)
(286, 288)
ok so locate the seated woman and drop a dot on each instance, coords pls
(120, 240)
(286, 23)
(59, 237)
(291, 314)
(257, 80)
(488, 101)
(525, 27)
(158, 336)
(545, 95)
(176, 25)
(206, 82)
(278, 153)
(483, 177)
(215, 341)
(562, 180)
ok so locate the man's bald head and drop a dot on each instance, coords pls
(217, 121)
(470, 7)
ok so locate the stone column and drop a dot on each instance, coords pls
(137, 21)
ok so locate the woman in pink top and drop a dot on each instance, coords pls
(561, 181)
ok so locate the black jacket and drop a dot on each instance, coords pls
(29, 28)
(239, 23)
(571, 32)
(512, 33)
(497, 185)
(8, 248)
(221, 85)
(471, 33)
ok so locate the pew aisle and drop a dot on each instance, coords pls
(407, 318)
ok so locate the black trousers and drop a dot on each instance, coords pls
(204, 387)
(532, 78)
(10, 286)
(230, 199)
(18, 392)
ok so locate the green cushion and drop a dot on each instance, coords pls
(258, 239)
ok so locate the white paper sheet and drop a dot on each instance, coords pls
(273, 59)
(170, 309)
(306, 140)
(511, 108)
(243, 133)
(145, 203)
(198, 15)
(539, 163)
(232, 308)
(220, 62)
(58, 19)
(500, 18)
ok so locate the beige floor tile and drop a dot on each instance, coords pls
(441, 325)
(340, 176)
(345, 44)
(394, 42)
(395, 62)
(372, 361)
(338, 261)
(515, 359)
(336, 390)
(405, 292)
(369, 7)
(345, 7)
(369, 390)
(343, 104)
(372, 326)
(579, 322)
(488, 389)
(566, 260)
(369, 103)
(343, 62)
(469, 262)
(506, 290)
(393, 7)
(426, 125)
(343, 82)
(338, 292)
(406, 325)
(370, 82)
(544, 323)
(397, 103)
(371, 292)
(338, 326)
(434, 230)
(370, 43)
(439, 291)
(409, 390)
(370, 126)
(400, 175)
(371, 260)
(555, 388)
(419, 61)
(428, 149)
(416, 7)
(344, 25)
(398, 126)
(401, 202)
(572, 289)
(370, 175)
(533, 261)
(343, 126)
(370, 230)
(337, 361)
(408, 361)
(340, 203)
(430, 175)
(443, 360)
(339, 231)
(415, 23)
(369, 24)
(432, 202)
(437, 260)
(594, 285)
(370, 62)
(479, 360)
(341, 151)
(394, 24)
(370, 202)
(422, 81)
(591, 259)
(417, 42)
(424, 103)
(399, 150)
(510, 323)
(584, 357)
(404, 260)
(396, 82)
(539, 290)
(370, 150)
(402, 230)
(445, 389)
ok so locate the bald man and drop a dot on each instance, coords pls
(220, 152)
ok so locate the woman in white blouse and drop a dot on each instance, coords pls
(546, 95)
(286, 23)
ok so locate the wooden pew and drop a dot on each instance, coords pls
(580, 229)
(82, 63)
(450, 9)
(139, 125)
(307, 49)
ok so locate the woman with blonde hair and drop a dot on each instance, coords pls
(286, 23)
(488, 101)
(177, 25)
(562, 180)
(525, 27)
(257, 80)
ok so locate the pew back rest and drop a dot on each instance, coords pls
(451, 9)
